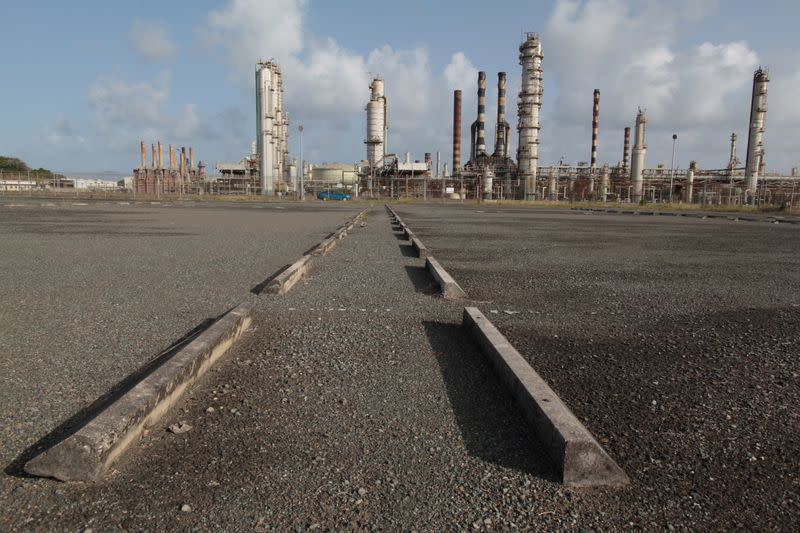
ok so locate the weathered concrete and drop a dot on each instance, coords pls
(579, 457)
(450, 289)
(86, 454)
(287, 279)
(418, 247)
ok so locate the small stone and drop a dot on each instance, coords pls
(362, 491)
(180, 427)
(210, 410)
(186, 508)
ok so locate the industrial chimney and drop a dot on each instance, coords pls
(478, 141)
(626, 152)
(755, 140)
(528, 108)
(501, 131)
(456, 131)
(595, 125)
(732, 161)
(639, 151)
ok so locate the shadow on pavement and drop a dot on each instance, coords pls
(422, 280)
(493, 427)
(407, 250)
(82, 417)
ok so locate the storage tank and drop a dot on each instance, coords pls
(334, 173)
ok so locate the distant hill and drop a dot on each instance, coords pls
(14, 164)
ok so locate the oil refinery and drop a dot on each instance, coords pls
(489, 173)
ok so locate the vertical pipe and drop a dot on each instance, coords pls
(732, 157)
(438, 163)
(690, 181)
(502, 125)
(639, 151)
(171, 157)
(143, 164)
(154, 155)
(626, 152)
(160, 156)
(191, 159)
(755, 139)
(595, 124)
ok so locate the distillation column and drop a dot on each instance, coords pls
(376, 124)
(264, 126)
(639, 151)
(528, 108)
(755, 140)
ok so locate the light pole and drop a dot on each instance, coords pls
(672, 172)
(302, 187)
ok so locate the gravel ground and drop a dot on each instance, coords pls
(93, 291)
(674, 339)
(356, 402)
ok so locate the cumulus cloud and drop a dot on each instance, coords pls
(150, 39)
(327, 85)
(632, 52)
(61, 135)
(142, 110)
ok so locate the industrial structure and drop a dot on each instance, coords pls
(755, 139)
(272, 128)
(180, 177)
(528, 110)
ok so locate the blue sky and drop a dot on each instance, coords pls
(85, 81)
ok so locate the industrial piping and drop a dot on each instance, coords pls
(528, 109)
(755, 140)
(456, 132)
(502, 128)
(639, 151)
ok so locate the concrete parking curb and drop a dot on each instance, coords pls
(287, 279)
(87, 454)
(450, 289)
(579, 457)
(418, 247)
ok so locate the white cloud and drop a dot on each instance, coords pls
(128, 111)
(150, 39)
(61, 136)
(633, 53)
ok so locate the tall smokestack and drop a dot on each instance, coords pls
(595, 125)
(478, 140)
(502, 126)
(456, 131)
(171, 157)
(755, 140)
(160, 156)
(438, 163)
(183, 161)
(154, 155)
(626, 152)
(191, 159)
(528, 109)
(143, 164)
(639, 151)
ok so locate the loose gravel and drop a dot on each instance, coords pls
(92, 292)
(357, 401)
(675, 341)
